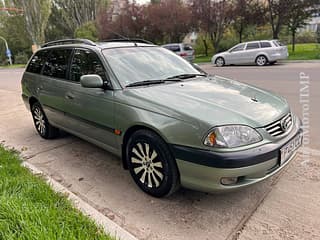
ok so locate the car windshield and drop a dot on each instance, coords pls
(137, 64)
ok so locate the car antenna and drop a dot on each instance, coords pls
(121, 36)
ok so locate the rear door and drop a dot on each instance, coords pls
(53, 89)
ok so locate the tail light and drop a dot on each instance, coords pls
(183, 54)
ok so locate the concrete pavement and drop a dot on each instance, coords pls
(264, 211)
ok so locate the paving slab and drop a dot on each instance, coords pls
(292, 209)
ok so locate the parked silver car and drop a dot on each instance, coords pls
(183, 50)
(258, 52)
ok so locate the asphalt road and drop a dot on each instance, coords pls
(286, 206)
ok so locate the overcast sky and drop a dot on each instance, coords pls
(142, 1)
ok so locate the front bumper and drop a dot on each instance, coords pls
(202, 169)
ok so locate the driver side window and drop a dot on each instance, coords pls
(86, 62)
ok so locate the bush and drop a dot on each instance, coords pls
(21, 58)
(87, 31)
(306, 37)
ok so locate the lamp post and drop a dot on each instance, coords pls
(8, 52)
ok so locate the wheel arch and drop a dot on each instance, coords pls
(262, 54)
(128, 133)
(32, 100)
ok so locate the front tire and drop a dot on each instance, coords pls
(151, 164)
(261, 60)
(41, 123)
(220, 62)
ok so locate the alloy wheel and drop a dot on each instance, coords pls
(39, 120)
(261, 61)
(147, 165)
(219, 62)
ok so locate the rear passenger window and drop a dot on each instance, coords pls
(252, 46)
(173, 48)
(86, 62)
(57, 63)
(187, 48)
(37, 62)
(265, 44)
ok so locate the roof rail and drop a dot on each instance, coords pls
(135, 40)
(68, 41)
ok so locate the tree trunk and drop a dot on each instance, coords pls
(293, 40)
(205, 47)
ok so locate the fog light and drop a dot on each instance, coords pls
(229, 180)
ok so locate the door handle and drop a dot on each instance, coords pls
(69, 96)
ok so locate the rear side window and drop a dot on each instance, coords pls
(37, 62)
(57, 63)
(187, 48)
(254, 45)
(86, 62)
(265, 44)
(173, 48)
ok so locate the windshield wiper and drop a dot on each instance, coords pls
(186, 76)
(150, 82)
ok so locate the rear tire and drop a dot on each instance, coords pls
(41, 123)
(151, 164)
(220, 62)
(261, 60)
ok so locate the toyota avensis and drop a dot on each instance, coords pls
(171, 124)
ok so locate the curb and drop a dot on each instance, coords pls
(108, 225)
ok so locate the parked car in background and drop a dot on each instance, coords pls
(169, 123)
(183, 50)
(255, 52)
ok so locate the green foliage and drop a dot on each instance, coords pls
(21, 58)
(13, 29)
(88, 31)
(306, 37)
(308, 51)
(30, 209)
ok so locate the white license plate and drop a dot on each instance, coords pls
(288, 150)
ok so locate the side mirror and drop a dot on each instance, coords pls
(91, 81)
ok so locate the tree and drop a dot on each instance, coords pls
(213, 18)
(75, 13)
(300, 11)
(278, 15)
(36, 14)
(246, 13)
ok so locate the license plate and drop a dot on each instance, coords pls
(289, 149)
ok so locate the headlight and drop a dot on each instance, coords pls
(232, 136)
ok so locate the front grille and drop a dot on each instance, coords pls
(280, 127)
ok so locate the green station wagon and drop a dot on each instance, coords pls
(170, 123)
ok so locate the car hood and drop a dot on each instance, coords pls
(212, 101)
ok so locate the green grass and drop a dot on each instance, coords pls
(13, 66)
(30, 209)
(306, 51)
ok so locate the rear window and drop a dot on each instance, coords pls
(265, 44)
(277, 43)
(57, 63)
(254, 45)
(37, 62)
